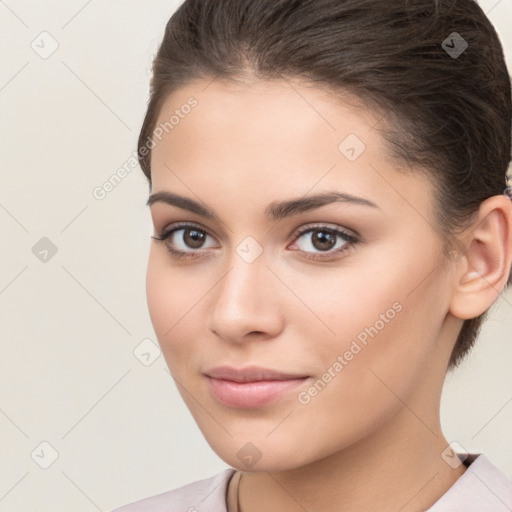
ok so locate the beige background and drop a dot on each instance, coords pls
(69, 327)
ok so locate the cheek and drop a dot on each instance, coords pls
(161, 303)
(362, 370)
(368, 328)
(172, 302)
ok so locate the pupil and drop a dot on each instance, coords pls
(193, 238)
(323, 240)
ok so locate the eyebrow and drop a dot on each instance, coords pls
(275, 211)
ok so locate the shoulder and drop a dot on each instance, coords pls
(206, 494)
(482, 487)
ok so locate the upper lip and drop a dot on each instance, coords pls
(249, 374)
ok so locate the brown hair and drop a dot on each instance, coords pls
(446, 114)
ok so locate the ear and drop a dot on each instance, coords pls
(482, 271)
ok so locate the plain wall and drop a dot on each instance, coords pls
(70, 325)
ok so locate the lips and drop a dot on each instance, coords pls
(249, 374)
(250, 387)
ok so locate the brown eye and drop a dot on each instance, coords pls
(318, 242)
(193, 238)
(323, 240)
(186, 240)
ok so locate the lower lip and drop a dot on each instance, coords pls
(249, 395)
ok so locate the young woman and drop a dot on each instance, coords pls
(328, 192)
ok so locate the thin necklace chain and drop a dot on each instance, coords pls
(238, 494)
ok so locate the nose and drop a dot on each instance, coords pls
(245, 303)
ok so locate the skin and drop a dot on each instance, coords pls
(371, 439)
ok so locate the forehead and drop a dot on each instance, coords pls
(274, 139)
(260, 110)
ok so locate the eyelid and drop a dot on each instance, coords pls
(175, 226)
(327, 226)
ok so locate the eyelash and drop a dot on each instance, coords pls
(176, 253)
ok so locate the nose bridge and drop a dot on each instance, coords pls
(243, 285)
(242, 303)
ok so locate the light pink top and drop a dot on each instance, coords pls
(482, 488)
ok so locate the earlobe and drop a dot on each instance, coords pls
(482, 271)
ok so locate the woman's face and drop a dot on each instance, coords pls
(348, 295)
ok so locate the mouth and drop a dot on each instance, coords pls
(250, 387)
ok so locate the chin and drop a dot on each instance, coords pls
(260, 454)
